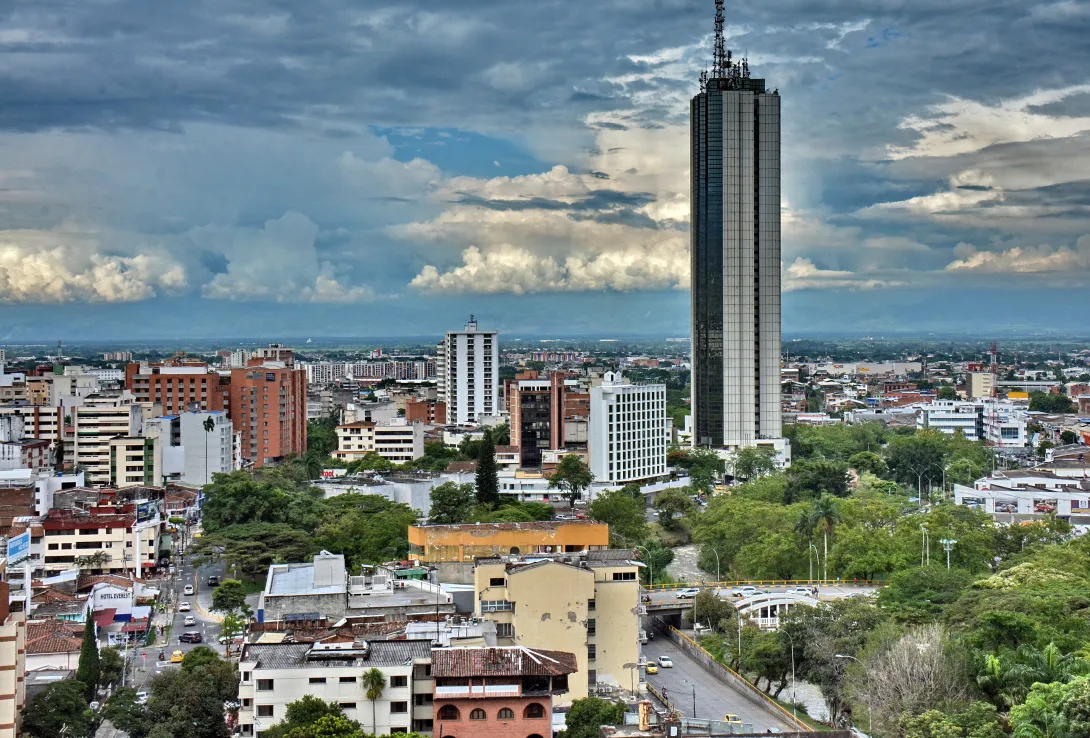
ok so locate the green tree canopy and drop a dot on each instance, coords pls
(61, 705)
(1050, 402)
(625, 515)
(451, 503)
(588, 715)
(89, 669)
(487, 477)
(229, 596)
(572, 476)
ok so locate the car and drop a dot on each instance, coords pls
(188, 589)
(652, 668)
(191, 636)
(183, 607)
(190, 620)
(95, 706)
(237, 639)
(141, 698)
(804, 591)
(213, 581)
(773, 731)
(747, 591)
(666, 662)
(731, 719)
(177, 657)
(688, 593)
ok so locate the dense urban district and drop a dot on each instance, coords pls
(337, 541)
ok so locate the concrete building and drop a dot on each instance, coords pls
(135, 461)
(735, 225)
(588, 605)
(468, 373)
(323, 586)
(1006, 425)
(273, 675)
(12, 655)
(268, 407)
(454, 548)
(429, 412)
(100, 419)
(498, 692)
(39, 422)
(629, 430)
(207, 447)
(178, 384)
(1018, 495)
(17, 451)
(397, 441)
(952, 416)
(537, 408)
(102, 540)
(981, 385)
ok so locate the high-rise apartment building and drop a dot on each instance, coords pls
(628, 430)
(735, 169)
(467, 369)
(268, 408)
(179, 384)
(537, 409)
(99, 420)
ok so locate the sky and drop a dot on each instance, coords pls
(210, 168)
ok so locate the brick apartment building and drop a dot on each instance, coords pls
(430, 412)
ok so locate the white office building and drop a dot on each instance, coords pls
(1006, 425)
(468, 376)
(951, 416)
(629, 430)
(100, 419)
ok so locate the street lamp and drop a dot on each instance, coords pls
(925, 550)
(650, 567)
(870, 716)
(947, 546)
(794, 704)
(717, 579)
(694, 696)
(811, 557)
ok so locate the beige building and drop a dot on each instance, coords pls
(109, 543)
(12, 656)
(587, 604)
(397, 441)
(100, 419)
(981, 385)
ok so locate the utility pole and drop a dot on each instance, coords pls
(947, 546)
(923, 545)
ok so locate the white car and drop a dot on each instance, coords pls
(190, 620)
(688, 593)
(805, 591)
(747, 591)
(665, 662)
(184, 607)
(188, 589)
(141, 698)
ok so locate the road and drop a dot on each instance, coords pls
(825, 592)
(713, 697)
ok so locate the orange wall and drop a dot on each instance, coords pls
(441, 543)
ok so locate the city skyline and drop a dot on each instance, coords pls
(209, 174)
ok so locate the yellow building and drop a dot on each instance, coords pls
(587, 604)
(12, 656)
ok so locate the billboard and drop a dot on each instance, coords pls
(145, 511)
(19, 547)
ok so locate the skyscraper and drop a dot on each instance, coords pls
(468, 366)
(735, 149)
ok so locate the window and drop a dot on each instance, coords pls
(506, 713)
(505, 630)
(591, 605)
(347, 680)
(264, 710)
(449, 712)
(317, 680)
(348, 705)
(497, 606)
(592, 626)
(478, 714)
(624, 576)
(497, 582)
(592, 676)
(592, 652)
(399, 681)
(245, 676)
(399, 707)
(264, 685)
(534, 711)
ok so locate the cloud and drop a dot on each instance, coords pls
(1038, 260)
(803, 274)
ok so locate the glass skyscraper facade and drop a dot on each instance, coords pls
(735, 169)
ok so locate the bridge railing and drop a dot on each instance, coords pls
(711, 584)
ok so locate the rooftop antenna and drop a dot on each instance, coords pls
(720, 58)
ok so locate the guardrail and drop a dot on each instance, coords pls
(705, 584)
(729, 675)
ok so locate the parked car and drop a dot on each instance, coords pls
(191, 636)
(652, 667)
(688, 593)
(666, 662)
(183, 607)
(190, 620)
(188, 589)
(731, 719)
(177, 657)
(141, 698)
(213, 581)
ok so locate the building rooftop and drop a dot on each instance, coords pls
(361, 653)
(326, 575)
(534, 525)
(501, 661)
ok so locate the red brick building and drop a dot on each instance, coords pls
(431, 412)
(498, 692)
(180, 384)
(268, 407)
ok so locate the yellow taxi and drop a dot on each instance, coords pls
(731, 719)
(177, 657)
(652, 667)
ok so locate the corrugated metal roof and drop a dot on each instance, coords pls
(295, 655)
(504, 661)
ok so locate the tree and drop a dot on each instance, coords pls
(750, 462)
(451, 503)
(572, 476)
(371, 461)
(487, 478)
(374, 683)
(367, 529)
(188, 703)
(229, 596)
(329, 726)
(232, 626)
(824, 514)
(89, 668)
(301, 717)
(1053, 403)
(111, 666)
(624, 514)
(126, 713)
(914, 458)
(975, 720)
(919, 595)
(1068, 437)
(810, 479)
(712, 611)
(322, 435)
(209, 425)
(946, 392)
(672, 505)
(588, 715)
(62, 706)
(657, 557)
(866, 462)
(501, 434)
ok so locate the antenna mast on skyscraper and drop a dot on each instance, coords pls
(723, 67)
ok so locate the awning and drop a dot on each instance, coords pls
(140, 626)
(105, 617)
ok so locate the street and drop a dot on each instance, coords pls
(825, 592)
(713, 698)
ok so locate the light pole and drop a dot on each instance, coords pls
(717, 579)
(650, 567)
(947, 546)
(811, 557)
(870, 716)
(925, 550)
(794, 704)
(694, 697)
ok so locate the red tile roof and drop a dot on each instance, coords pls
(461, 466)
(52, 636)
(505, 661)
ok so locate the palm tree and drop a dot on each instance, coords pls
(374, 682)
(826, 515)
(209, 426)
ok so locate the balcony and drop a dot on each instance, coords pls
(477, 691)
